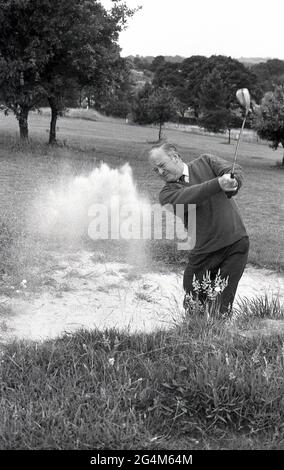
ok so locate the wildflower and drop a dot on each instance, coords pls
(232, 376)
(196, 284)
(111, 361)
(209, 290)
(23, 284)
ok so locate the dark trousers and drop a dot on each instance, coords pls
(231, 261)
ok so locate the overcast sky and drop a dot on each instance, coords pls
(243, 28)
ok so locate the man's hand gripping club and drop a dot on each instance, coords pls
(227, 183)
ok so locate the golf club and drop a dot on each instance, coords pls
(243, 98)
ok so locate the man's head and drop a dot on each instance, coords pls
(166, 162)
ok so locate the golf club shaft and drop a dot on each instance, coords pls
(237, 147)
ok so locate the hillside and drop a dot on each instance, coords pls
(178, 59)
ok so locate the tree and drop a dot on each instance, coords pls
(140, 106)
(172, 75)
(232, 72)
(85, 50)
(48, 48)
(192, 73)
(22, 57)
(223, 76)
(269, 120)
(154, 105)
(185, 80)
(213, 103)
(166, 74)
(162, 107)
(169, 74)
(269, 73)
(157, 62)
(234, 75)
(116, 98)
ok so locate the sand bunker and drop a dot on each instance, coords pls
(84, 293)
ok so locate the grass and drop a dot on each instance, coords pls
(86, 143)
(82, 113)
(196, 385)
(201, 384)
(260, 307)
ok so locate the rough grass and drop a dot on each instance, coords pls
(194, 386)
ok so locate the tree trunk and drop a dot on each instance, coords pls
(23, 123)
(160, 130)
(283, 160)
(229, 141)
(54, 115)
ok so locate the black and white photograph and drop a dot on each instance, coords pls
(141, 230)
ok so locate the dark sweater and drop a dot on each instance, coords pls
(218, 221)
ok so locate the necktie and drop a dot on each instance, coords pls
(183, 179)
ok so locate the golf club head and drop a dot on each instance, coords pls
(243, 98)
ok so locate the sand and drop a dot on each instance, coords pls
(84, 293)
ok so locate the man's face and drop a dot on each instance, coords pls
(169, 168)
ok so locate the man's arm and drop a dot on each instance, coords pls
(220, 167)
(174, 193)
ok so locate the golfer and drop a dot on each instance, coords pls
(221, 238)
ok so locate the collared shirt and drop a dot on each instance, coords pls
(185, 173)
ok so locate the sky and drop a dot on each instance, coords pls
(243, 28)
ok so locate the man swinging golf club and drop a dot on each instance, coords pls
(209, 182)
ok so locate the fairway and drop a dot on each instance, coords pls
(114, 142)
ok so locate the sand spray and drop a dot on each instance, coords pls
(67, 211)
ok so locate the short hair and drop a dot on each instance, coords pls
(168, 148)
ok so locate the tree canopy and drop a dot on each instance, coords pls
(269, 73)
(49, 47)
(187, 80)
(154, 105)
(269, 121)
(213, 99)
